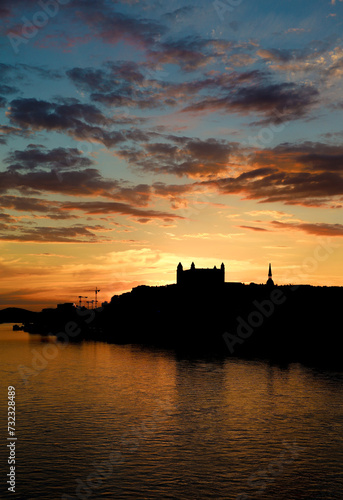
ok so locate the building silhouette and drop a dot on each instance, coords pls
(200, 277)
(270, 281)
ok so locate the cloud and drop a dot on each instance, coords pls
(143, 85)
(183, 156)
(253, 228)
(178, 15)
(186, 53)
(101, 207)
(49, 234)
(317, 229)
(6, 89)
(4, 12)
(321, 62)
(13, 74)
(107, 78)
(308, 174)
(113, 26)
(191, 52)
(27, 204)
(8, 131)
(85, 183)
(240, 60)
(8, 5)
(62, 210)
(307, 156)
(40, 171)
(123, 84)
(277, 102)
(271, 185)
(81, 121)
(35, 157)
(6, 217)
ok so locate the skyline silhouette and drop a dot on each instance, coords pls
(201, 313)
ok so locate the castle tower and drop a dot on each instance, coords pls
(179, 273)
(270, 281)
(222, 268)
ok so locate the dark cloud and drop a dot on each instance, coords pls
(111, 26)
(292, 188)
(4, 12)
(183, 156)
(6, 89)
(64, 210)
(9, 5)
(142, 85)
(52, 115)
(20, 72)
(183, 53)
(36, 157)
(101, 207)
(81, 121)
(122, 84)
(318, 229)
(178, 15)
(174, 192)
(66, 171)
(190, 52)
(308, 156)
(307, 173)
(38, 71)
(45, 208)
(253, 228)
(6, 217)
(106, 79)
(50, 234)
(86, 182)
(6, 131)
(26, 204)
(276, 102)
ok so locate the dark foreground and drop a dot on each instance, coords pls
(287, 323)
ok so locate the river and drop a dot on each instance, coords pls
(101, 421)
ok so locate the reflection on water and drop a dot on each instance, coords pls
(123, 422)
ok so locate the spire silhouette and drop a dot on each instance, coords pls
(270, 281)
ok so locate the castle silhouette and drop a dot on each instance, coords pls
(209, 278)
(200, 277)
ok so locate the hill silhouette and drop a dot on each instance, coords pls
(17, 315)
(286, 323)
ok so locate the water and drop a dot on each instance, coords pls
(124, 422)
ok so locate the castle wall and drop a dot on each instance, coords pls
(200, 277)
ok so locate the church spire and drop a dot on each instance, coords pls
(270, 281)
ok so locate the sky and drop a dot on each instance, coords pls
(138, 134)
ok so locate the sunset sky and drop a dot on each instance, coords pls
(136, 134)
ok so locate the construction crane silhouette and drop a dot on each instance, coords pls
(96, 291)
(80, 300)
